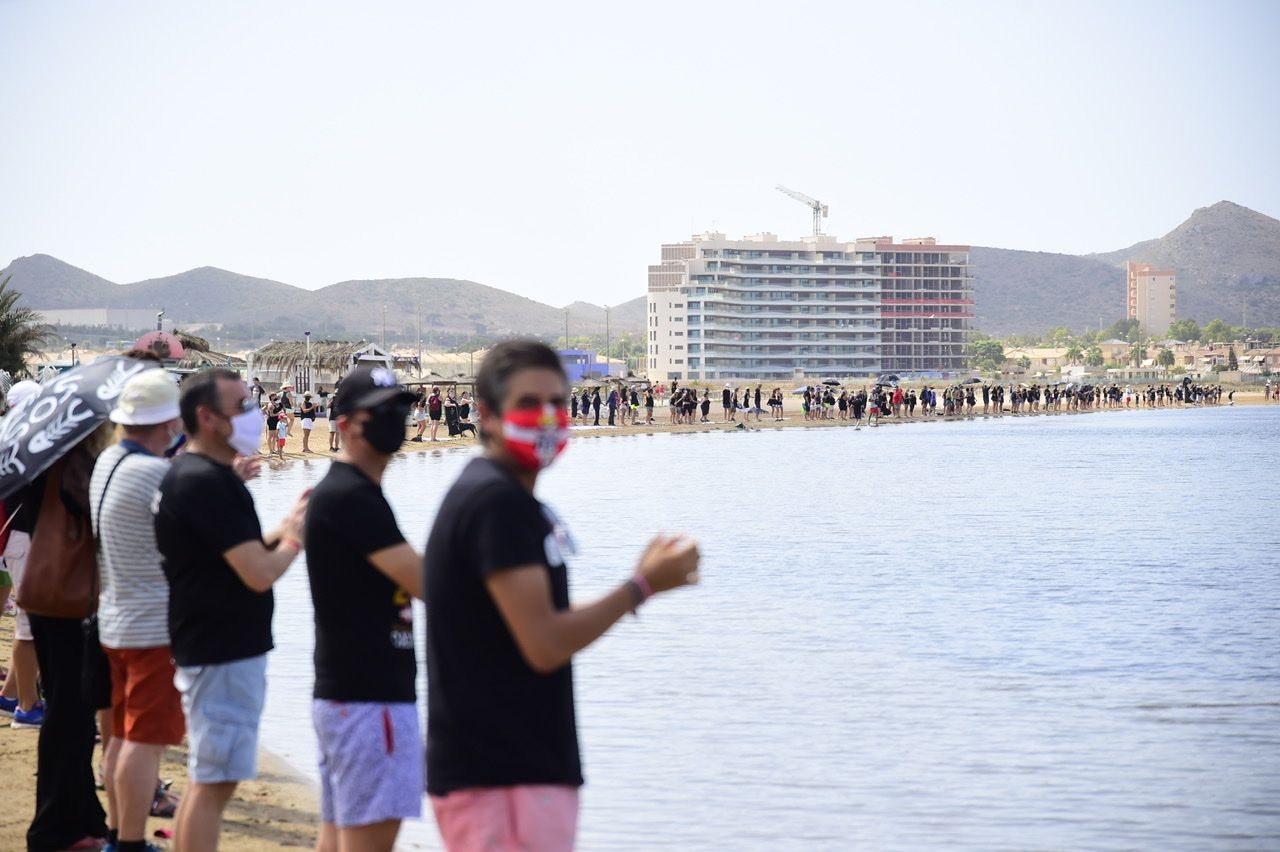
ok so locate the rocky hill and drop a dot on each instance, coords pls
(1228, 262)
(1025, 292)
(1227, 258)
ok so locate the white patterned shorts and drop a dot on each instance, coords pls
(370, 761)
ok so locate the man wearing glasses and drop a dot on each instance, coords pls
(220, 569)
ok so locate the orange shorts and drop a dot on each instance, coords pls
(145, 705)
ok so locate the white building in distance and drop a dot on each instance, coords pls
(761, 308)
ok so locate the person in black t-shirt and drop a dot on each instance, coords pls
(220, 569)
(362, 573)
(503, 766)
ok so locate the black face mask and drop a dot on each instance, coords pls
(384, 430)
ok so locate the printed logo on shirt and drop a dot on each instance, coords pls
(402, 630)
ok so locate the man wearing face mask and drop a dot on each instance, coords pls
(362, 574)
(220, 569)
(133, 603)
(503, 768)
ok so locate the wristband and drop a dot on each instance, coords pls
(646, 591)
(637, 595)
(293, 544)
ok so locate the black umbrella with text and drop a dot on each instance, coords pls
(46, 426)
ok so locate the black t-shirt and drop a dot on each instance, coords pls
(204, 511)
(492, 721)
(364, 621)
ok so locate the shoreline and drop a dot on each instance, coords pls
(662, 424)
(280, 809)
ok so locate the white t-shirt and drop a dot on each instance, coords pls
(133, 605)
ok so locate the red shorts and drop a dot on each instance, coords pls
(145, 705)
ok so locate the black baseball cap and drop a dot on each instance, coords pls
(368, 386)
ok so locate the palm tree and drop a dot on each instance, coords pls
(1074, 353)
(1137, 352)
(21, 333)
(1093, 356)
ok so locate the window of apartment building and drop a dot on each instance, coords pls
(678, 361)
(678, 333)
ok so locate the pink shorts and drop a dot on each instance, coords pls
(505, 819)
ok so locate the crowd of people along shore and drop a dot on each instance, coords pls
(632, 405)
(285, 410)
(158, 627)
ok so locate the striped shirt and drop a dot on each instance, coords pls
(133, 605)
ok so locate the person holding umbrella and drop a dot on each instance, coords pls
(48, 445)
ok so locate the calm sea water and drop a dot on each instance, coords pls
(1052, 632)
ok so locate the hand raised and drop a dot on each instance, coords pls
(247, 467)
(296, 521)
(670, 562)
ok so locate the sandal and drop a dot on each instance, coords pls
(165, 804)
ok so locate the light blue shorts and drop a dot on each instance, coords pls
(223, 705)
(370, 761)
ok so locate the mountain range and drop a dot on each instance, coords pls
(1227, 258)
(447, 308)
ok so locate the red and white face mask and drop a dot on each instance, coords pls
(535, 437)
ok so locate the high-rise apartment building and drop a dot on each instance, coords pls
(1152, 297)
(761, 308)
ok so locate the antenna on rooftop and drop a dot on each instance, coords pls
(819, 209)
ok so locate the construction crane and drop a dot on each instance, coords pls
(819, 209)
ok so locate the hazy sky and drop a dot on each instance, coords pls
(549, 148)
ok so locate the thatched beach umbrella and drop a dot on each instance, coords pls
(191, 343)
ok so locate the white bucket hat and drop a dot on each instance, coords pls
(148, 398)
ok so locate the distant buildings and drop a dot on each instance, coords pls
(582, 364)
(1152, 297)
(761, 308)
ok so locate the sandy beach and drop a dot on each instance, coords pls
(662, 423)
(280, 810)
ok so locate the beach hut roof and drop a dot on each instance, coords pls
(190, 342)
(204, 359)
(333, 355)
